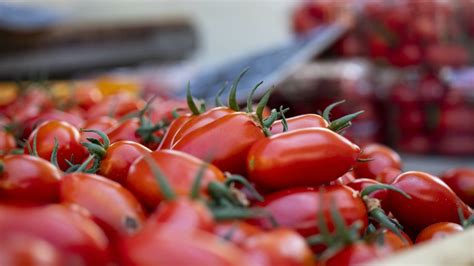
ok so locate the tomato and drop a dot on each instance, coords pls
(236, 232)
(119, 157)
(30, 124)
(461, 181)
(7, 142)
(29, 180)
(438, 231)
(116, 105)
(86, 95)
(380, 157)
(183, 215)
(388, 175)
(311, 202)
(392, 242)
(101, 123)
(272, 248)
(303, 157)
(301, 121)
(114, 207)
(21, 249)
(178, 167)
(74, 235)
(361, 183)
(161, 246)
(236, 133)
(130, 130)
(432, 201)
(173, 128)
(68, 138)
(163, 109)
(354, 254)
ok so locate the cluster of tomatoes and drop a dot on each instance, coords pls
(90, 179)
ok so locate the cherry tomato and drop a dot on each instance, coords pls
(432, 201)
(236, 133)
(438, 231)
(301, 121)
(388, 175)
(178, 167)
(116, 105)
(28, 180)
(74, 235)
(114, 207)
(303, 157)
(101, 123)
(30, 124)
(119, 157)
(355, 254)
(173, 128)
(461, 181)
(68, 139)
(129, 130)
(311, 202)
(85, 95)
(380, 157)
(7, 142)
(161, 246)
(236, 232)
(272, 248)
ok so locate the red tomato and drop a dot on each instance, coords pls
(161, 246)
(101, 123)
(354, 254)
(129, 130)
(301, 121)
(311, 202)
(236, 232)
(86, 95)
(68, 137)
(438, 231)
(7, 142)
(461, 181)
(303, 157)
(278, 247)
(118, 159)
(163, 109)
(380, 157)
(344, 179)
(28, 180)
(432, 201)
(74, 235)
(392, 242)
(236, 132)
(173, 128)
(53, 114)
(114, 207)
(180, 169)
(388, 175)
(116, 106)
(361, 183)
(21, 249)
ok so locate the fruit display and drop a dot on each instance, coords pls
(110, 177)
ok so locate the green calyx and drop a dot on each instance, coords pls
(232, 179)
(54, 153)
(341, 123)
(370, 189)
(232, 101)
(250, 97)
(465, 222)
(191, 104)
(163, 183)
(217, 99)
(196, 186)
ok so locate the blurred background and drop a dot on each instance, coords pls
(408, 64)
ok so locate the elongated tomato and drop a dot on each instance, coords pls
(300, 121)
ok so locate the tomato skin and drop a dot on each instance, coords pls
(388, 175)
(68, 137)
(288, 159)
(118, 159)
(461, 181)
(74, 235)
(438, 231)
(86, 95)
(127, 130)
(394, 243)
(355, 254)
(344, 179)
(271, 248)
(382, 157)
(198, 121)
(20, 249)
(101, 123)
(183, 215)
(29, 180)
(432, 201)
(107, 201)
(7, 142)
(53, 114)
(116, 105)
(180, 169)
(237, 232)
(361, 183)
(161, 246)
(168, 137)
(303, 219)
(236, 133)
(301, 121)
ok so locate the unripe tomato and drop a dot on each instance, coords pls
(303, 157)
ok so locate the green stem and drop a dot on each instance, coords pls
(54, 154)
(196, 186)
(250, 97)
(164, 186)
(191, 104)
(380, 216)
(343, 122)
(95, 149)
(101, 134)
(240, 179)
(370, 189)
(217, 99)
(328, 110)
(222, 214)
(283, 120)
(83, 166)
(232, 101)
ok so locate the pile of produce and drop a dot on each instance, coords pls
(94, 179)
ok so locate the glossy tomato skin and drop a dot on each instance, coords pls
(7, 142)
(201, 120)
(101, 123)
(432, 201)
(114, 207)
(392, 242)
(355, 254)
(303, 157)
(311, 202)
(438, 231)
(127, 130)
(73, 234)
(235, 132)
(118, 159)
(180, 169)
(29, 180)
(388, 175)
(53, 114)
(161, 246)
(461, 181)
(272, 248)
(21, 249)
(301, 121)
(115, 106)
(236, 232)
(168, 137)
(68, 137)
(381, 157)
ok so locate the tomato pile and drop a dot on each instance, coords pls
(94, 179)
